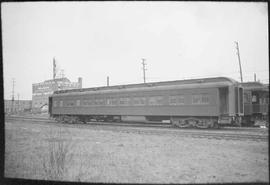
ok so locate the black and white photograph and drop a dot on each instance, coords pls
(153, 92)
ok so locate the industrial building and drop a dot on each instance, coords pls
(41, 91)
(17, 106)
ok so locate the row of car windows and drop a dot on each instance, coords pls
(254, 99)
(135, 101)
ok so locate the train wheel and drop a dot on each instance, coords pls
(180, 123)
(206, 123)
(216, 125)
(238, 121)
(186, 123)
(202, 123)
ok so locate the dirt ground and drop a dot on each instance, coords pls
(103, 155)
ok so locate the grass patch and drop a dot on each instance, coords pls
(57, 161)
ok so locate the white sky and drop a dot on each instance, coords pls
(93, 40)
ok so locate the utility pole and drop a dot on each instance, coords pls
(12, 99)
(254, 77)
(18, 102)
(62, 73)
(238, 54)
(108, 81)
(144, 69)
(54, 75)
(54, 68)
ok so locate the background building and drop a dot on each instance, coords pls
(42, 91)
(17, 106)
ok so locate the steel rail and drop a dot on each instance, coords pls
(227, 134)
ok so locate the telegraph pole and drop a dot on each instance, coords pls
(238, 54)
(144, 69)
(12, 99)
(108, 81)
(18, 102)
(54, 68)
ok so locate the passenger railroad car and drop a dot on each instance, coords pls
(256, 103)
(204, 103)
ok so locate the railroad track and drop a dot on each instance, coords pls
(26, 118)
(243, 134)
(49, 120)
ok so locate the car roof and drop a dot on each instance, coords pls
(165, 85)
